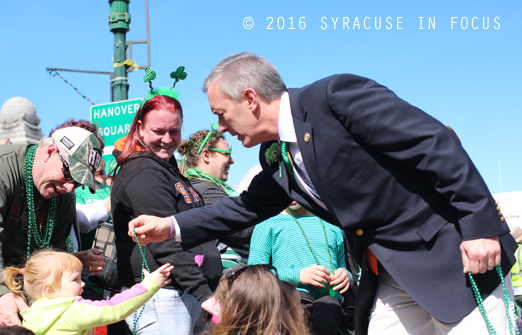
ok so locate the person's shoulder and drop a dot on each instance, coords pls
(333, 227)
(13, 150)
(203, 185)
(12, 160)
(277, 220)
(339, 79)
(144, 163)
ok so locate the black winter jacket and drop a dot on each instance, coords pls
(149, 185)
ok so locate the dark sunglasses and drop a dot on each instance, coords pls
(233, 275)
(67, 172)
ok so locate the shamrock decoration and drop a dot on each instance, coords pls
(179, 74)
(273, 154)
(149, 76)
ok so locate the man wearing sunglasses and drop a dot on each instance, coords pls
(383, 170)
(37, 203)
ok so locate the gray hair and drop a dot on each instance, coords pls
(48, 141)
(245, 70)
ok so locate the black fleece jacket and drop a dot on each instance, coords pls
(150, 185)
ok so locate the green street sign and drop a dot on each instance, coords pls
(114, 120)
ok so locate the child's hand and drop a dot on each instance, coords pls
(340, 280)
(161, 275)
(315, 275)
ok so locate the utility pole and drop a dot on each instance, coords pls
(119, 21)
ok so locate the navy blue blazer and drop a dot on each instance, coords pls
(388, 172)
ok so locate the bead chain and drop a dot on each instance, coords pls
(70, 243)
(507, 303)
(42, 240)
(143, 266)
(310, 245)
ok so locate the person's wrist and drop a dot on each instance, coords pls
(172, 228)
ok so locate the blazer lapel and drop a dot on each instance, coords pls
(306, 143)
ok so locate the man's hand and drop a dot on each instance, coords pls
(340, 280)
(480, 255)
(91, 259)
(315, 275)
(149, 229)
(10, 305)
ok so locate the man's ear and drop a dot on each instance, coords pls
(49, 151)
(251, 97)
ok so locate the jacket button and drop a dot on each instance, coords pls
(307, 137)
(359, 232)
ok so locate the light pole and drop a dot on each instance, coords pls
(119, 21)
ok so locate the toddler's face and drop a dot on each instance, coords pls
(72, 284)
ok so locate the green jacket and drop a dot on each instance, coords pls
(75, 316)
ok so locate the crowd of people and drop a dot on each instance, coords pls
(367, 217)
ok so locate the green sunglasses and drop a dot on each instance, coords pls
(226, 153)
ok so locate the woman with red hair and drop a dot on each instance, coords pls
(147, 181)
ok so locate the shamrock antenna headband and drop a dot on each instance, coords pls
(177, 75)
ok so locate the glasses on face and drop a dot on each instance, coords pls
(226, 153)
(67, 172)
(233, 275)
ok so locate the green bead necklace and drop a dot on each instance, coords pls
(43, 238)
(70, 243)
(143, 266)
(327, 289)
(513, 329)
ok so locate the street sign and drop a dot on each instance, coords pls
(114, 120)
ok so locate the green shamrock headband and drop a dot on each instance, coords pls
(214, 127)
(150, 75)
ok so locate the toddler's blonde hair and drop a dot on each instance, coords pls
(43, 272)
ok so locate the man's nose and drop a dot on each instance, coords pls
(222, 127)
(69, 187)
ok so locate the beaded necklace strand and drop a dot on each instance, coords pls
(143, 266)
(43, 238)
(70, 243)
(312, 250)
(513, 329)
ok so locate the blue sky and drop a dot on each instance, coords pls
(467, 78)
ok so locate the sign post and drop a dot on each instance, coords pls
(114, 121)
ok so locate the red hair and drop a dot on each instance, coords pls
(133, 142)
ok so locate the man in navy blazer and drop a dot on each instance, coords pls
(386, 172)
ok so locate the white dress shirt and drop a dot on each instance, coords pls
(287, 134)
